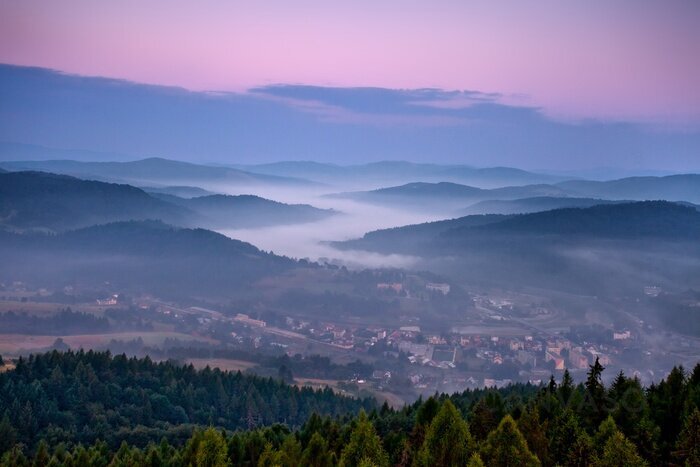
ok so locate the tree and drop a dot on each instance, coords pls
(535, 433)
(565, 433)
(41, 458)
(619, 452)
(447, 441)
(506, 447)
(482, 420)
(594, 403)
(270, 457)
(566, 388)
(212, 449)
(364, 444)
(285, 374)
(475, 461)
(688, 445)
(290, 452)
(8, 434)
(316, 453)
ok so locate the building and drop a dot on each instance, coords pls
(577, 359)
(395, 286)
(248, 321)
(438, 287)
(108, 301)
(558, 361)
(622, 335)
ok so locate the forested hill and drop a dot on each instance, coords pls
(37, 201)
(34, 200)
(54, 405)
(86, 396)
(643, 219)
(246, 211)
(628, 220)
(140, 256)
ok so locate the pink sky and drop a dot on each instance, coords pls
(628, 59)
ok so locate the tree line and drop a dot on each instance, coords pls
(558, 424)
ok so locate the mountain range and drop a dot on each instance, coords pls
(607, 248)
(444, 196)
(38, 200)
(387, 172)
(154, 170)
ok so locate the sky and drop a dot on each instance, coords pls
(624, 68)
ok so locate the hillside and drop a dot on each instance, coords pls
(401, 172)
(247, 211)
(445, 196)
(140, 256)
(684, 187)
(154, 170)
(37, 200)
(92, 408)
(182, 191)
(582, 250)
(138, 400)
(652, 219)
(529, 205)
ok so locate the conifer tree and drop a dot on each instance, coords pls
(364, 445)
(475, 461)
(619, 452)
(316, 453)
(506, 447)
(447, 440)
(212, 449)
(688, 445)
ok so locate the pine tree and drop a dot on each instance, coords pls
(41, 458)
(364, 444)
(475, 461)
(316, 453)
(688, 445)
(270, 457)
(594, 409)
(564, 434)
(619, 452)
(482, 420)
(8, 434)
(566, 388)
(506, 447)
(212, 449)
(535, 433)
(447, 441)
(290, 452)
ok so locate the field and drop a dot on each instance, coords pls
(47, 308)
(12, 344)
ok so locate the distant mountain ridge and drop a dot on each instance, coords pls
(652, 219)
(606, 249)
(402, 171)
(247, 211)
(684, 187)
(447, 195)
(528, 205)
(39, 200)
(153, 170)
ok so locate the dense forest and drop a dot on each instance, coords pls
(91, 408)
